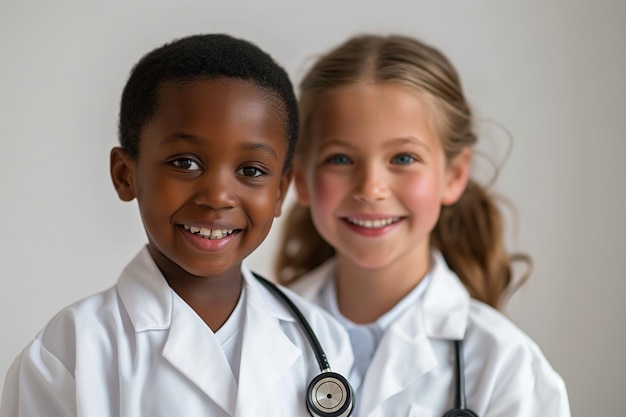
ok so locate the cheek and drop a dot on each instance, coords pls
(422, 193)
(261, 203)
(161, 195)
(328, 190)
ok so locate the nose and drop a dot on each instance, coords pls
(371, 184)
(216, 190)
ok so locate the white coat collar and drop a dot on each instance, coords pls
(148, 298)
(442, 314)
(444, 307)
(446, 303)
(145, 294)
(192, 348)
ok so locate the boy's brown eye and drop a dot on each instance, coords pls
(250, 172)
(186, 164)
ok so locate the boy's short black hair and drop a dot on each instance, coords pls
(196, 57)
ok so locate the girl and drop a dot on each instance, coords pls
(410, 254)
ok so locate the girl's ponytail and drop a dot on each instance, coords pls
(301, 246)
(470, 235)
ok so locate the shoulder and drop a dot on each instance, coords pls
(319, 319)
(499, 335)
(88, 321)
(331, 334)
(505, 366)
(310, 285)
(511, 364)
(73, 335)
(494, 327)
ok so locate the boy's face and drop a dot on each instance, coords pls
(209, 176)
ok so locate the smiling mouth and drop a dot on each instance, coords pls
(211, 234)
(373, 224)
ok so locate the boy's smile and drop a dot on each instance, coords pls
(209, 176)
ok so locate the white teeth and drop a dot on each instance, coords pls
(373, 224)
(209, 233)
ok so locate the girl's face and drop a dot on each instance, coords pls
(376, 175)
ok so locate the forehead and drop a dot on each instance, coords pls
(206, 106)
(382, 110)
(178, 97)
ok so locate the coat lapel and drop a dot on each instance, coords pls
(403, 355)
(267, 353)
(190, 346)
(193, 349)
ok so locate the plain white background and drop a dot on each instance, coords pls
(550, 72)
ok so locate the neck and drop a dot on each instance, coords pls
(365, 294)
(213, 298)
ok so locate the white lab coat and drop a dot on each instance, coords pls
(138, 350)
(412, 370)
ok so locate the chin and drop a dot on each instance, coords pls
(210, 270)
(372, 261)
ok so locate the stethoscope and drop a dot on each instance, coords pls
(460, 409)
(329, 394)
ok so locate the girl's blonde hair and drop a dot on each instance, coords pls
(469, 233)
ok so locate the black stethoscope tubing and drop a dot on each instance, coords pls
(459, 409)
(329, 394)
(320, 355)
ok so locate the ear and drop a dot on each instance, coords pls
(457, 175)
(123, 174)
(302, 190)
(283, 187)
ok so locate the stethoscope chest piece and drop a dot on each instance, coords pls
(329, 395)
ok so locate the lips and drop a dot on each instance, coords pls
(211, 234)
(372, 223)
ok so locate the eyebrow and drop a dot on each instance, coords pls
(255, 146)
(408, 140)
(179, 137)
(336, 142)
(252, 146)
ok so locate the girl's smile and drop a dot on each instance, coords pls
(372, 226)
(376, 175)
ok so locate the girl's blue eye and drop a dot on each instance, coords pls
(250, 172)
(186, 164)
(403, 159)
(338, 160)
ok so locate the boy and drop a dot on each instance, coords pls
(208, 125)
